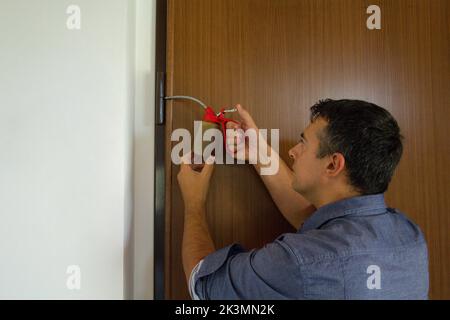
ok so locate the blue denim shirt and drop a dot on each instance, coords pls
(356, 248)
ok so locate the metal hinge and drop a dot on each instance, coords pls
(160, 103)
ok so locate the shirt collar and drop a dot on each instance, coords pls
(362, 205)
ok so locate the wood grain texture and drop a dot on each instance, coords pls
(277, 58)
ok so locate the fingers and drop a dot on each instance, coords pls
(232, 125)
(245, 116)
(208, 168)
(205, 169)
(235, 141)
(186, 161)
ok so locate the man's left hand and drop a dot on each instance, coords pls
(194, 185)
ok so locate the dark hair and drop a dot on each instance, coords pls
(366, 135)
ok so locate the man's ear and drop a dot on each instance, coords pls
(336, 164)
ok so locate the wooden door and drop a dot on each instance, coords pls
(277, 58)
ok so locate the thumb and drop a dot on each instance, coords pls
(246, 117)
(208, 168)
(186, 161)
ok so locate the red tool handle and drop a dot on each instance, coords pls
(211, 116)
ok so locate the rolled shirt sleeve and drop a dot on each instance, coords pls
(272, 272)
(192, 278)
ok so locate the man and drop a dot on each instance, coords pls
(352, 246)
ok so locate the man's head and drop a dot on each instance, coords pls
(350, 147)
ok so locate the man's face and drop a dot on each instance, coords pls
(308, 169)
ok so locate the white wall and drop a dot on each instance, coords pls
(144, 148)
(66, 149)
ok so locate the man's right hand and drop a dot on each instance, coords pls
(236, 142)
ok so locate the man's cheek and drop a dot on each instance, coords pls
(297, 167)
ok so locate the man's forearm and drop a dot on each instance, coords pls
(294, 207)
(197, 241)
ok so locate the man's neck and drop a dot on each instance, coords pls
(329, 197)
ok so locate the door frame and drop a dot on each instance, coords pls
(160, 152)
